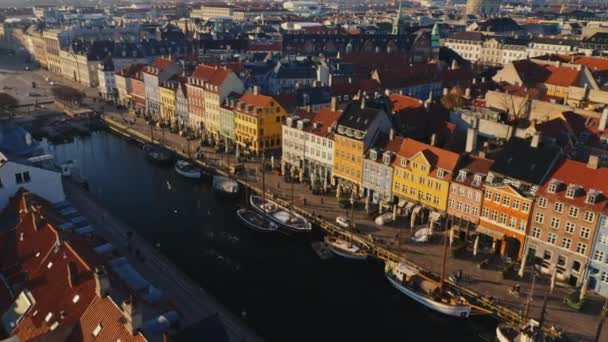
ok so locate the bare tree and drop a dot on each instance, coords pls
(518, 105)
(454, 98)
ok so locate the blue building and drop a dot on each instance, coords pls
(598, 266)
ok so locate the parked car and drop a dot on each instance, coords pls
(343, 221)
(384, 219)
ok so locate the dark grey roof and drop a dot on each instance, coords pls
(359, 118)
(467, 35)
(295, 70)
(519, 160)
(313, 96)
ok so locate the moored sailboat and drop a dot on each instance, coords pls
(188, 170)
(256, 221)
(426, 291)
(225, 186)
(157, 154)
(282, 216)
(344, 248)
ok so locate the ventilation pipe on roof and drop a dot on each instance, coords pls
(391, 134)
(363, 102)
(593, 162)
(535, 139)
(256, 90)
(434, 139)
(603, 119)
(445, 91)
(334, 104)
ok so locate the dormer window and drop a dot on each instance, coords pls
(373, 155)
(592, 196)
(571, 191)
(386, 158)
(476, 180)
(440, 173)
(403, 162)
(462, 175)
(552, 188)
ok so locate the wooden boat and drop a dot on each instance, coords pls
(344, 248)
(225, 186)
(256, 221)
(282, 216)
(426, 291)
(530, 332)
(188, 170)
(157, 154)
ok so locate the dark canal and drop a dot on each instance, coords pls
(288, 293)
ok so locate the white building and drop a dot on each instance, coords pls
(107, 80)
(308, 145)
(304, 8)
(467, 44)
(15, 175)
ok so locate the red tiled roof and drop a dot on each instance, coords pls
(352, 88)
(162, 63)
(474, 165)
(261, 101)
(324, 118)
(211, 74)
(531, 72)
(103, 312)
(575, 172)
(401, 102)
(437, 157)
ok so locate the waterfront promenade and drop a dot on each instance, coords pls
(193, 302)
(487, 282)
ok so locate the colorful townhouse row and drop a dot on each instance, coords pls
(507, 201)
(211, 99)
(527, 202)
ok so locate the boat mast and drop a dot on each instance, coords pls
(445, 256)
(263, 178)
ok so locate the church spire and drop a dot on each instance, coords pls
(397, 24)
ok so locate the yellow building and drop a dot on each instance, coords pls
(422, 173)
(167, 102)
(348, 160)
(357, 130)
(258, 121)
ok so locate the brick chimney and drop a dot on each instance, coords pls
(535, 139)
(133, 316)
(593, 162)
(102, 282)
(471, 140)
(603, 120)
(256, 90)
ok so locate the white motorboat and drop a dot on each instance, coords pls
(284, 217)
(344, 248)
(188, 170)
(225, 186)
(256, 221)
(426, 291)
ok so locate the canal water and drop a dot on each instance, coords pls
(278, 285)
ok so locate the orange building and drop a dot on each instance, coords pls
(504, 215)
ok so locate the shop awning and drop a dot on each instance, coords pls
(490, 232)
(401, 203)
